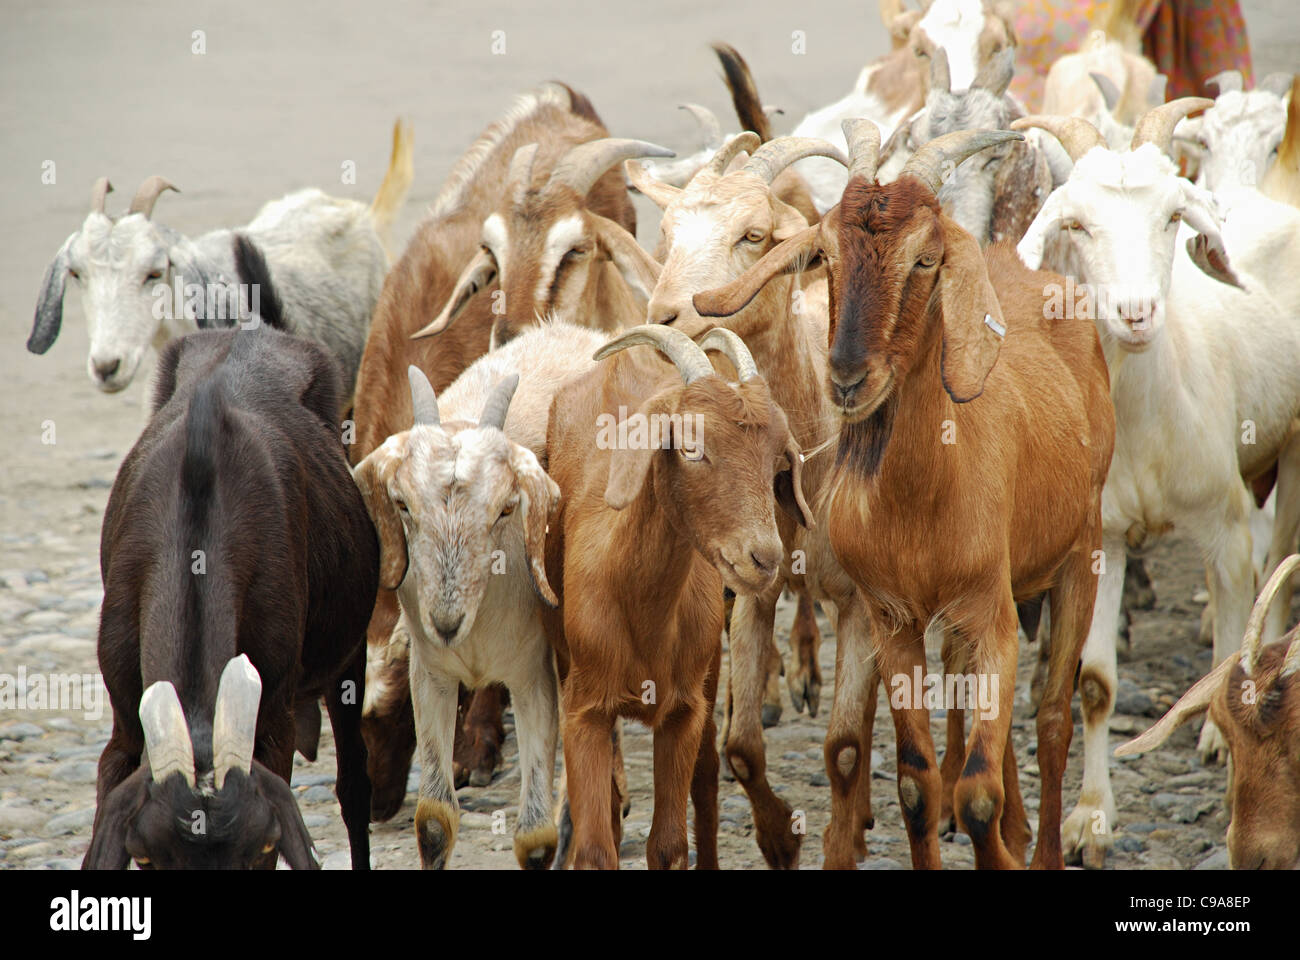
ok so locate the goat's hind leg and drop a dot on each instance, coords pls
(343, 702)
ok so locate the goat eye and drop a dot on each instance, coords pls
(508, 509)
(73, 273)
(402, 507)
(1176, 216)
(926, 262)
(142, 861)
(269, 846)
(755, 236)
(1072, 225)
(154, 275)
(691, 456)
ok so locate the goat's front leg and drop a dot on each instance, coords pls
(536, 722)
(437, 816)
(1087, 832)
(352, 785)
(1286, 527)
(847, 749)
(676, 749)
(752, 621)
(588, 770)
(1232, 585)
(704, 781)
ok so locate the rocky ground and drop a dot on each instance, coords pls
(256, 115)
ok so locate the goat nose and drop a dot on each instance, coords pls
(106, 368)
(766, 557)
(447, 629)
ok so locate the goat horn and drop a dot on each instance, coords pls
(746, 142)
(1157, 124)
(995, 76)
(1292, 662)
(101, 189)
(1227, 81)
(777, 154)
(1251, 642)
(729, 344)
(147, 195)
(498, 403)
(1109, 92)
(889, 9)
(520, 173)
(708, 122)
(863, 138)
(1077, 135)
(934, 162)
(234, 720)
(684, 352)
(1278, 83)
(586, 163)
(166, 734)
(940, 74)
(424, 404)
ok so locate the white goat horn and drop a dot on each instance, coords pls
(733, 348)
(685, 354)
(101, 189)
(1109, 92)
(863, 138)
(166, 734)
(746, 142)
(778, 153)
(708, 122)
(147, 195)
(935, 161)
(995, 76)
(1157, 124)
(1251, 642)
(586, 163)
(498, 403)
(424, 403)
(1077, 135)
(1227, 81)
(234, 721)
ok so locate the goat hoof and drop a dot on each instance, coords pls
(435, 832)
(535, 849)
(771, 715)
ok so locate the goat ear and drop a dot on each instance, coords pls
(539, 496)
(477, 275)
(1030, 247)
(900, 28)
(628, 469)
(788, 256)
(49, 305)
(191, 266)
(787, 486)
(108, 838)
(973, 327)
(1192, 703)
(1206, 248)
(789, 221)
(661, 193)
(638, 268)
(372, 475)
(295, 842)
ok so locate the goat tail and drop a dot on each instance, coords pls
(254, 274)
(744, 93)
(395, 186)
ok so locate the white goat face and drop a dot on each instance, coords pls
(1120, 214)
(1240, 136)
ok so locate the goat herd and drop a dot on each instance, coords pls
(932, 363)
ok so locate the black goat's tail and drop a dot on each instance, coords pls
(744, 93)
(255, 275)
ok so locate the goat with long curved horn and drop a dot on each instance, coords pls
(234, 719)
(936, 160)
(1077, 135)
(746, 142)
(709, 123)
(775, 155)
(424, 404)
(166, 733)
(684, 352)
(586, 163)
(1157, 125)
(147, 195)
(733, 348)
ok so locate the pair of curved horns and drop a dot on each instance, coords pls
(1078, 136)
(687, 355)
(1252, 642)
(932, 164)
(586, 163)
(234, 725)
(425, 404)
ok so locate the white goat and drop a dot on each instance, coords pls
(462, 508)
(1239, 136)
(143, 283)
(1202, 400)
(894, 86)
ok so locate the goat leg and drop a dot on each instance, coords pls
(352, 784)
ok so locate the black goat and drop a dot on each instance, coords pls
(236, 554)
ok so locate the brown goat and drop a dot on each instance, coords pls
(960, 485)
(557, 119)
(1254, 698)
(645, 539)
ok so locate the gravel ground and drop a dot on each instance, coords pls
(103, 90)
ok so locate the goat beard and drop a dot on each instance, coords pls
(862, 444)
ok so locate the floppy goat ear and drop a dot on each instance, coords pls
(973, 327)
(639, 269)
(539, 496)
(49, 305)
(295, 842)
(787, 486)
(1192, 703)
(788, 256)
(1030, 247)
(108, 839)
(478, 273)
(628, 469)
(372, 475)
(1206, 248)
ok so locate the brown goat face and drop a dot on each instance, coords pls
(729, 519)
(457, 503)
(1260, 717)
(885, 253)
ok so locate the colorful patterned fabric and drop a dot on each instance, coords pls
(1189, 41)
